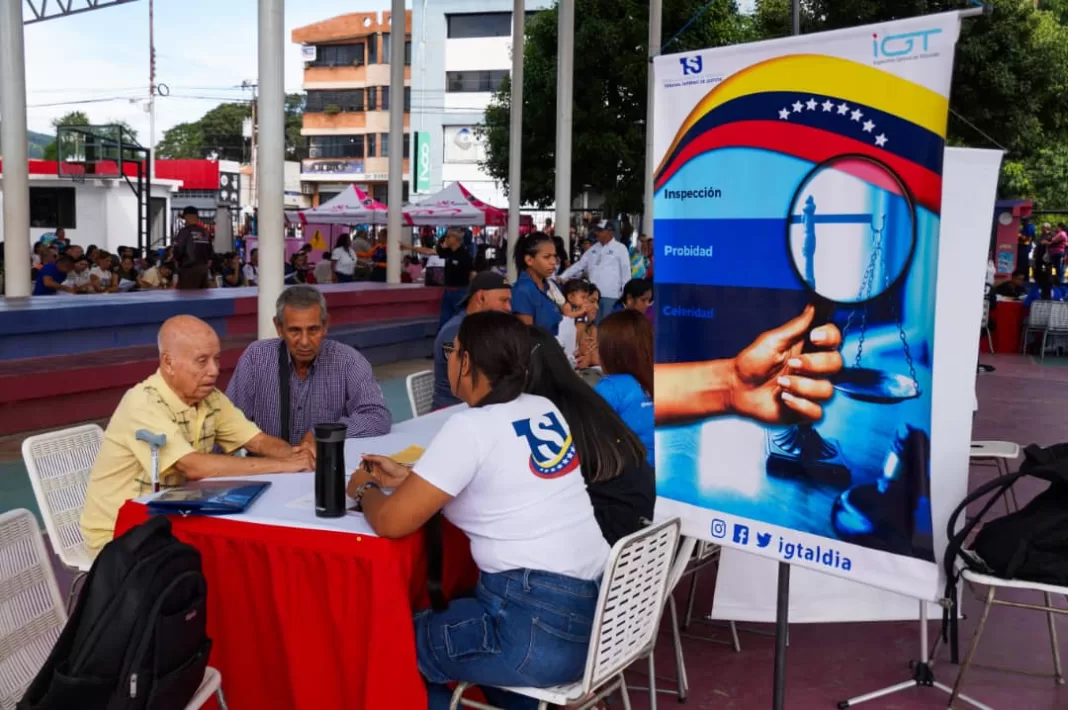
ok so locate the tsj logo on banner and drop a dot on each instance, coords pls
(797, 207)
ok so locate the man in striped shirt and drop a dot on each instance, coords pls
(329, 382)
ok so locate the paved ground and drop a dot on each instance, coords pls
(1022, 401)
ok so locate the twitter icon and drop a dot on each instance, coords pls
(763, 539)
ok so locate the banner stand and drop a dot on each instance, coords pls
(922, 675)
(782, 636)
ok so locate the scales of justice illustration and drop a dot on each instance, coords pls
(851, 237)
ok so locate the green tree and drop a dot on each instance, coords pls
(608, 124)
(220, 132)
(74, 118)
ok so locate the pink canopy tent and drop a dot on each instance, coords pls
(351, 206)
(454, 206)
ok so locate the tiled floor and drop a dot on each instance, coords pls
(1022, 401)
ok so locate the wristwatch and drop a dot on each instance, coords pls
(361, 489)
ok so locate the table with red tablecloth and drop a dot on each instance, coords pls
(307, 619)
(308, 613)
(1006, 327)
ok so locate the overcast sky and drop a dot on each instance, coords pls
(204, 49)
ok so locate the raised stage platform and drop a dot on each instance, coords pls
(69, 359)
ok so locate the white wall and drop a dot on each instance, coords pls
(105, 212)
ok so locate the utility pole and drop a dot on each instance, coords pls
(151, 99)
(253, 139)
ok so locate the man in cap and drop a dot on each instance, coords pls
(606, 264)
(488, 291)
(193, 251)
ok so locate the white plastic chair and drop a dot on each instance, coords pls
(992, 584)
(59, 464)
(1037, 322)
(33, 615)
(421, 392)
(634, 591)
(1058, 324)
(998, 454)
(32, 609)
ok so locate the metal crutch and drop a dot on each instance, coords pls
(155, 443)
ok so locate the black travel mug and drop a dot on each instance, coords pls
(329, 470)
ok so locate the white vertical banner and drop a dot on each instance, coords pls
(798, 205)
(745, 586)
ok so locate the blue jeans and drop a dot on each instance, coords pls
(345, 278)
(450, 304)
(1055, 263)
(523, 628)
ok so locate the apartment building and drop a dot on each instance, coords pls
(463, 53)
(346, 121)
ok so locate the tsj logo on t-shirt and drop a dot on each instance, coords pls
(552, 452)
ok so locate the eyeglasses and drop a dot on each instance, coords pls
(447, 349)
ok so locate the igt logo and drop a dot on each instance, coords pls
(903, 44)
(691, 65)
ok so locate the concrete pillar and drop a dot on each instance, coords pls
(16, 181)
(271, 164)
(565, 69)
(655, 12)
(396, 142)
(515, 139)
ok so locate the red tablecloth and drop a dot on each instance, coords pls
(1006, 322)
(309, 619)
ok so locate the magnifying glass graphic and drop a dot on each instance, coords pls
(851, 236)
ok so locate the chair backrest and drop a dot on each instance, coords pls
(1058, 316)
(31, 609)
(421, 392)
(59, 463)
(1038, 318)
(633, 593)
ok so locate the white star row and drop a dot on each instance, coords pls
(843, 109)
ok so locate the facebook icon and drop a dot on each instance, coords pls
(691, 65)
(741, 534)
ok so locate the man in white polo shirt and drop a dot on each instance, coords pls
(606, 264)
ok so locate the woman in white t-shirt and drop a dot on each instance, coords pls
(506, 472)
(344, 259)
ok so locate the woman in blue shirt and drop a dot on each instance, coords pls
(532, 294)
(625, 353)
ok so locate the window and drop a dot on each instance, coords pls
(338, 55)
(383, 144)
(474, 81)
(53, 207)
(380, 192)
(372, 98)
(370, 145)
(385, 98)
(372, 49)
(407, 99)
(408, 53)
(407, 144)
(482, 24)
(335, 146)
(387, 47)
(196, 194)
(335, 101)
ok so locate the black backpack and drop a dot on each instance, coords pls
(1030, 544)
(137, 639)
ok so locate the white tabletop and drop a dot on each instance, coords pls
(290, 501)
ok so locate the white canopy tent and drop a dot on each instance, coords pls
(351, 206)
(453, 206)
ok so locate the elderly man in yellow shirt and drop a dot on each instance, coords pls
(180, 400)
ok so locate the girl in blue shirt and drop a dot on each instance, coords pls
(532, 294)
(625, 353)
